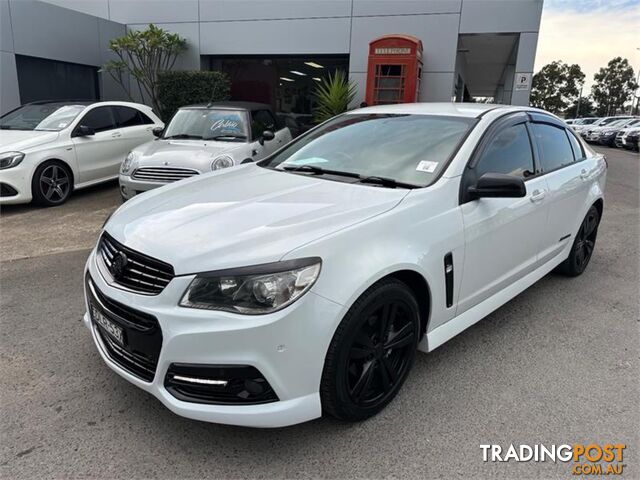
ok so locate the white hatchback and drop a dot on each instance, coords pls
(48, 149)
(266, 294)
(202, 138)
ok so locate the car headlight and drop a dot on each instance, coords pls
(223, 161)
(10, 159)
(126, 166)
(253, 290)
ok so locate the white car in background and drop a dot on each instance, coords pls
(202, 138)
(268, 293)
(48, 149)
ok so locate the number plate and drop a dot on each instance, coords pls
(115, 331)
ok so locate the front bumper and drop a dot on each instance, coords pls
(288, 347)
(17, 179)
(130, 187)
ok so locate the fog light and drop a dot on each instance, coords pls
(218, 384)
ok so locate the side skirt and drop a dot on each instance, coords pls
(453, 327)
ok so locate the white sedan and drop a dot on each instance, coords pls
(267, 294)
(48, 149)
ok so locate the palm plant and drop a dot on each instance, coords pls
(333, 95)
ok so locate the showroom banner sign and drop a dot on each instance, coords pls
(589, 459)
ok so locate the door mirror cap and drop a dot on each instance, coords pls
(84, 131)
(267, 136)
(157, 131)
(498, 185)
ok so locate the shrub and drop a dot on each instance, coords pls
(333, 96)
(177, 89)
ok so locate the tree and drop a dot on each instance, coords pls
(333, 96)
(142, 55)
(556, 85)
(614, 85)
(587, 109)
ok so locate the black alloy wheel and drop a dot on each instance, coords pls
(372, 352)
(583, 245)
(51, 184)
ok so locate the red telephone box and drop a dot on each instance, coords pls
(394, 70)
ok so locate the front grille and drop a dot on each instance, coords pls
(7, 190)
(163, 174)
(134, 270)
(142, 334)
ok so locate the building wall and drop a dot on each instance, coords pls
(272, 27)
(44, 30)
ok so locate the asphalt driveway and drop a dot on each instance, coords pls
(558, 364)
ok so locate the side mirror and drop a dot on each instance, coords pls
(267, 136)
(157, 131)
(498, 185)
(84, 131)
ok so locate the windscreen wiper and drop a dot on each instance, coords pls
(183, 136)
(319, 171)
(387, 182)
(233, 137)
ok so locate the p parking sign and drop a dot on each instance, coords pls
(522, 81)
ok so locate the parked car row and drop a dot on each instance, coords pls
(618, 131)
(49, 149)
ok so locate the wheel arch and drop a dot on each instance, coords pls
(420, 289)
(59, 161)
(599, 204)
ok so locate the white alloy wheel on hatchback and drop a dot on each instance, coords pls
(267, 294)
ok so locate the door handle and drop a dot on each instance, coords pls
(116, 135)
(538, 196)
(584, 174)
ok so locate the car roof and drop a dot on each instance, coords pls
(232, 105)
(89, 103)
(469, 110)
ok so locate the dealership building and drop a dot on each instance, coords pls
(275, 51)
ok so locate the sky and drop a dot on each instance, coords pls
(589, 33)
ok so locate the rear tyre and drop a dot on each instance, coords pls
(583, 245)
(371, 353)
(51, 184)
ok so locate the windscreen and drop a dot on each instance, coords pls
(208, 124)
(50, 117)
(412, 149)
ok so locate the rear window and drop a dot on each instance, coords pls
(553, 145)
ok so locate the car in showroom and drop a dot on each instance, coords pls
(50, 148)
(266, 294)
(607, 136)
(202, 138)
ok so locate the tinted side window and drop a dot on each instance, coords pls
(100, 119)
(144, 119)
(262, 120)
(553, 145)
(576, 146)
(128, 117)
(508, 152)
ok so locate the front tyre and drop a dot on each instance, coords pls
(51, 184)
(371, 353)
(583, 245)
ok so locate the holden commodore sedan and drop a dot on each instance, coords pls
(267, 294)
(48, 149)
(199, 139)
